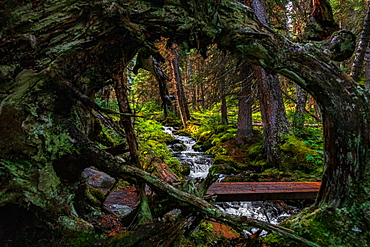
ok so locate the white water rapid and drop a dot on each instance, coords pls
(199, 162)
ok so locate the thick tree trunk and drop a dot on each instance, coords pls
(363, 43)
(275, 121)
(176, 74)
(245, 123)
(274, 118)
(300, 109)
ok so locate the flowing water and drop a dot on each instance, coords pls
(199, 162)
(199, 165)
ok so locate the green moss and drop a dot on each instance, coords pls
(95, 195)
(48, 180)
(296, 154)
(253, 49)
(205, 235)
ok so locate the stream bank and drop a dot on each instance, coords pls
(200, 163)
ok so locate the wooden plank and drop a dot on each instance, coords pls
(261, 191)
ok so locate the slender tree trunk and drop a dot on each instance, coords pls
(224, 119)
(120, 86)
(358, 61)
(298, 121)
(245, 123)
(181, 99)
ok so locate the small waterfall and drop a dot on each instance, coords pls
(199, 162)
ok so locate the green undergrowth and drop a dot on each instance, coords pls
(153, 146)
(326, 226)
(302, 156)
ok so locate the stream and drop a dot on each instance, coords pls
(272, 212)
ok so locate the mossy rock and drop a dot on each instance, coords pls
(182, 133)
(222, 169)
(223, 159)
(95, 195)
(198, 147)
(178, 147)
(243, 177)
(204, 136)
(185, 170)
(205, 146)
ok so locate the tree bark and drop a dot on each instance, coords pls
(148, 62)
(367, 68)
(245, 121)
(274, 118)
(121, 89)
(321, 23)
(224, 118)
(300, 109)
(176, 74)
(363, 43)
(275, 121)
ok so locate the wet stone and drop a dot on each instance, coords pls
(99, 180)
(121, 210)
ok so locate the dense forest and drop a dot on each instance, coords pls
(272, 90)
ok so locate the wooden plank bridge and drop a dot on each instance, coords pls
(262, 191)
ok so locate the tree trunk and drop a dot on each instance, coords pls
(120, 87)
(274, 118)
(176, 74)
(147, 61)
(275, 121)
(367, 68)
(245, 123)
(300, 109)
(363, 43)
(224, 119)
